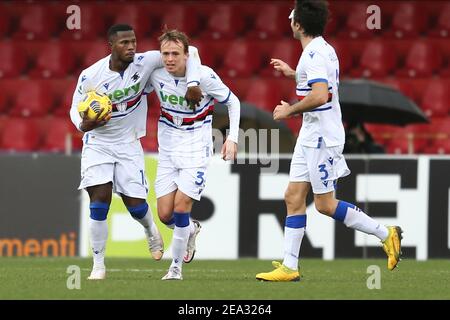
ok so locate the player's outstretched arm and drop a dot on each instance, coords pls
(283, 67)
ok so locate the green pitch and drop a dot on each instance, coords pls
(47, 278)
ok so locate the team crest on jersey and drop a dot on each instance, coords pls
(178, 121)
(121, 106)
(106, 85)
(135, 77)
(161, 85)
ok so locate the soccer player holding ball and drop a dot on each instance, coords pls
(318, 161)
(112, 156)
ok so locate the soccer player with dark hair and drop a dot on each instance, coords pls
(318, 161)
(112, 158)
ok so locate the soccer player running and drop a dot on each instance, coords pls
(185, 143)
(317, 160)
(112, 157)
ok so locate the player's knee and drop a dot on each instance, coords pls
(99, 210)
(324, 207)
(183, 204)
(139, 211)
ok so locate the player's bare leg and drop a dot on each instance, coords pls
(100, 199)
(141, 212)
(294, 230)
(355, 218)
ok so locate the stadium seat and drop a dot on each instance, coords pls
(383, 133)
(93, 24)
(207, 54)
(65, 101)
(239, 86)
(181, 17)
(61, 136)
(288, 50)
(94, 52)
(35, 101)
(135, 16)
(442, 28)
(54, 61)
(294, 124)
(345, 55)
(241, 59)
(36, 23)
(409, 20)
(150, 141)
(13, 60)
(3, 103)
(403, 145)
(377, 60)
(271, 22)
(436, 98)
(440, 135)
(225, 22)
(5, 23)
(20, 135)
(147, 45)
(423, 60)
(264, 94)
(356, 23)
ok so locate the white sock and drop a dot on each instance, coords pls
(147, 222)
(98, 234)
(358, 220)
(292, 242)
(179, 245)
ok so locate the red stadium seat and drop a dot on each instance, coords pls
(264, 94)
(133, 15)
(225, 22)
(147, 45)
(13, 60)
(241, 59)
(442, 28)
(402, 145)
(440, 133)
(377, 60)
(271, 22)
(54, 61)
(150, 141)
(356, 23)
(3, 102)
(20, 135)
(436, 98)
(181, 17)
(5, 22)
(36, 23)
(383, 133)
(289, 51)
(92, 24)
(60, 135)
(34, 101)
(423, 60)
(65, 101)
(294, 124)
(409, 20)
(96, 51)
(239, 86)
(344, 54)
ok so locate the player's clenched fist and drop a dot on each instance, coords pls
(282, 111)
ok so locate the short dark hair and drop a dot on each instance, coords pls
(312, 15)
(175, 35)
(112, 31)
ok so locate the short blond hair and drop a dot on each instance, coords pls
(175, 35)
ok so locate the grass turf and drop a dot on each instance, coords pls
(46, 278)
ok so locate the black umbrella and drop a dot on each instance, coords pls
(255, 118)
(369, 101)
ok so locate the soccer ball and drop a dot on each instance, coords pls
(92, 103)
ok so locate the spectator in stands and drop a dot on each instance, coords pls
(359, 140)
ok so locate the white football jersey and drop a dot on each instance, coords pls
(182, 131)
(127, 93)
(319, 63)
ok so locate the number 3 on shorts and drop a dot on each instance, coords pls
(200, 180)
(322, 169)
